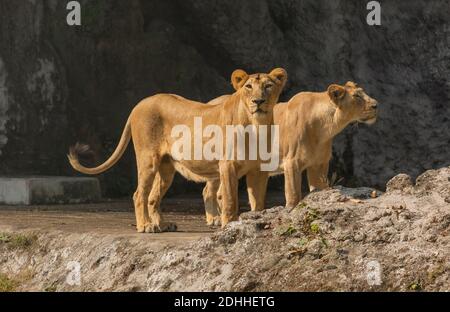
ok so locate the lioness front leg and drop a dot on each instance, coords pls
(228, 193)
(292, 184)
(163, 181)
(210, 200)
(318, 177)
(256, 188)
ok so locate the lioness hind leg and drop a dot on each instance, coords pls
(318, 177)
(147, 168)
(292, 184)
(210, 200)
(163, 181)
(256, 188)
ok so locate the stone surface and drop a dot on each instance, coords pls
(48, 190)
(398, 241)
(60, 84)
(399, 183)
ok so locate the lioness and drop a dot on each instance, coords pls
(308, 123)
(150, 125)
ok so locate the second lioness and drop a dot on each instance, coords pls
(308, 123)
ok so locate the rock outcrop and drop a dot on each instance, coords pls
(60, 84)
(340, 239)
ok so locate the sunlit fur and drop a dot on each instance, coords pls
(308, 123)
(150, 125)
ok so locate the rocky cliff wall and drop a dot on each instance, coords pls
(60, 84)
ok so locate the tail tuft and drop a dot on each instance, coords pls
(83, 151)
(78, 151)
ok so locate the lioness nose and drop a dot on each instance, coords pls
(259, 101)
(374, 105)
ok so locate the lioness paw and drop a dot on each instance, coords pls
(213, 221)
(140, 229)
(159, 228)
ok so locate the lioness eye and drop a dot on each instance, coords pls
(249, 86)
(269, 86)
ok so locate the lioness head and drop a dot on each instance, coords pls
(354, 102)
(259, 92)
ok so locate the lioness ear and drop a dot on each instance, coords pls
(279, 75)
(238, 78)
(336, 93)
(351, 84)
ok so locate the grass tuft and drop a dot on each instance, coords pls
(18, 241)
(7, 284)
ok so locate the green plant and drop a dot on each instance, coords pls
(312, 215)
(18, 241)
(301, 205)
(286, 231)
(290, 230)
(416, 286)
(4, 238)
(7, 284)
(315, 228)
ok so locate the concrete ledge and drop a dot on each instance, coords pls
(48, 190)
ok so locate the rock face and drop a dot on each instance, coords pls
(341, 239)
(60, 84)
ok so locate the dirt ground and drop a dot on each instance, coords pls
(112, 217)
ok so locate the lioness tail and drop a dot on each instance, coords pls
(76, 150)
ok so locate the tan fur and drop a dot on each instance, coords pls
(150, 125)
(308, 124)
